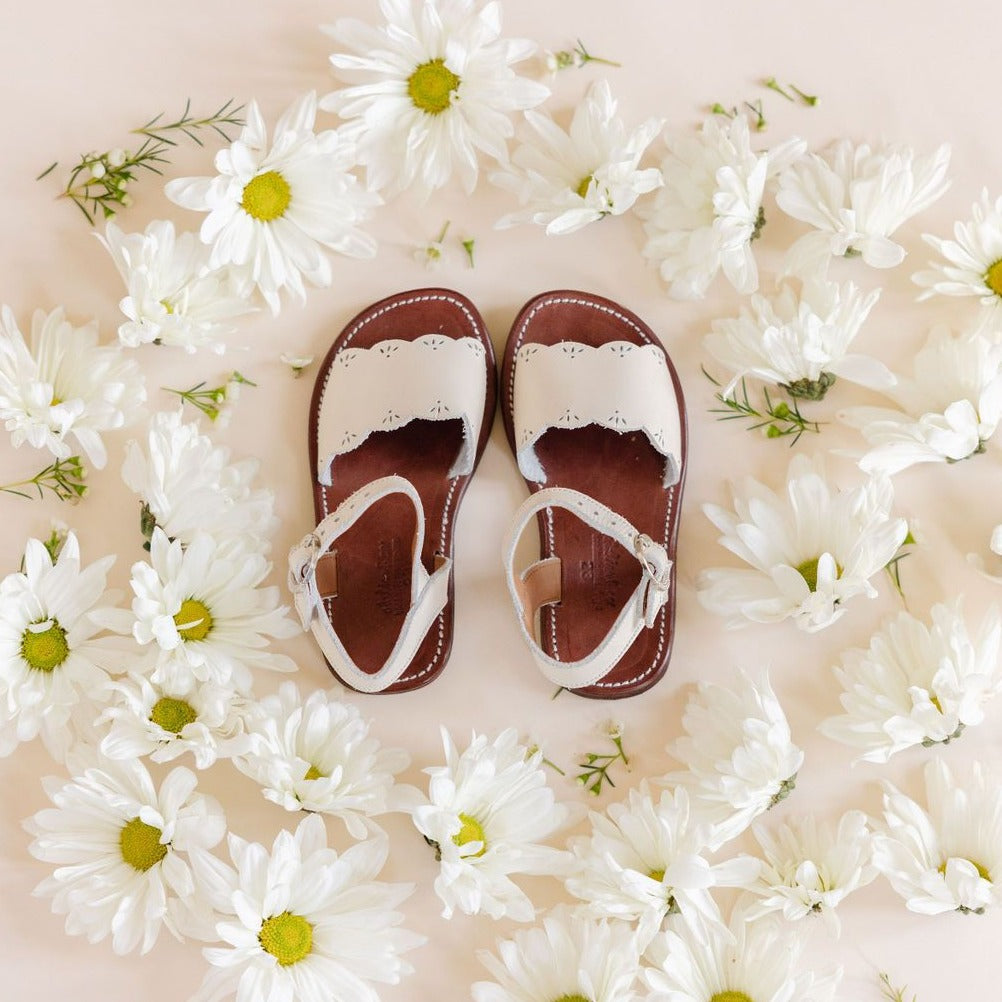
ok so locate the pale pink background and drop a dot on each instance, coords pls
(78, 77)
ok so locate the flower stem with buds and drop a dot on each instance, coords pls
(65, 478)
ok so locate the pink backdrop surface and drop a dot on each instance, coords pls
(76, 79)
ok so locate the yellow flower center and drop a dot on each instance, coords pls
(140, 845)
(808, 570)
(314, 773)
(583, 185)
(573, 998)
(657, 875)
(935, 702)
(193, 620)
(45, 649)
(982, 871)
(431, 86)
(730, 996)
(168, 305)
(993, 277)
(266, 197)
(287, 937)
(173, 714)
(471, 831)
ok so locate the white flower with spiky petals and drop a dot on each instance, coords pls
(317, 755)
(569, 957)
(429, 90)
(202, 607)
(739, 755)
(709, 211)
(488, 808)
(972, 264)
(120, 845)
(948, 855)
(810, 549)
(799, 340)
(948, 410)
(740, 962)
(644, 861)
(855, 197)
(65, 385)
(810, 867)
(208, 721)
(565, 180)
(917, 684)
(302, 921)
(53, 664)
(188, 484)
(274, 211)
(174, 297)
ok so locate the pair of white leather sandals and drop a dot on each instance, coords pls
(401, 414)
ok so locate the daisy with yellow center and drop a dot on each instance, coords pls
(274, 211)
(428, 90)
(300, 916)
(122, 848)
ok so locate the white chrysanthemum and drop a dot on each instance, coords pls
(705, 217)
(738, 754)
(153, 720)
(972, 264)
(855, 197)
(569, 958)
(742, 962)
(188, 485)
(64, 385)
(174, 297)
(202, 606)
(565, 180)
(948, 855)
(273, 211)
(799, 341)
(810, 549)
(317, 755)
(810, 867)
(948, 409)
(644, 862)
(489, 807)
(302, 922)
(120, 846)
(429, 90)
(52, 663)
(917, 684)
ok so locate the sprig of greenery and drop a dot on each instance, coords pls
(595, 767)
(891, 993)
(65, 478)
(771, 83)
(756, 109)
(210, 401)
(894, 570)
(578, 56)
(98, 184)
(468, 246)
(779, 418)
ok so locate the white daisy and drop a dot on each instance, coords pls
(187, 485)
(972, 264)
(705, 217)
(120, 846)
(64, 385)
(174, 297)
(569, 958)
(317, 755)
(738, 754)
(917, 684)
(855, 197)
(429, 90)
(948, 409)
(53, 664)
(948, 855)
(741, 962)
(810, 867)
(644, 862)
(272, 212)
(810, 549)
(202, 607)
(565, 180)
(799, 340)
(153, 720)
(487, 809)
(302, 922)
